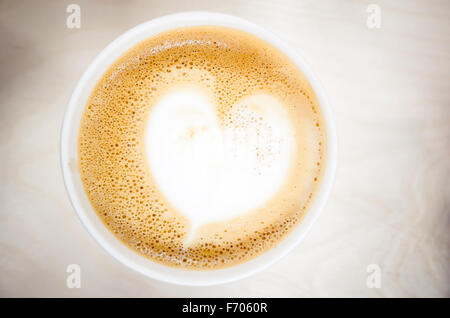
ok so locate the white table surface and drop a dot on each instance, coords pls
(389, 89)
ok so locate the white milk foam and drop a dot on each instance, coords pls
(211, 171)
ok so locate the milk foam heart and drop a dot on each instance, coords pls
(211, 171)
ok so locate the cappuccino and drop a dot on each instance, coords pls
(202, 147)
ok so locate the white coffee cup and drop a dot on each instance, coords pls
(79, 199)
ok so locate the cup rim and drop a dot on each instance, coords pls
(168, 22)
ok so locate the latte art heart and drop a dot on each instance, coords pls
(202, 147)
(212, 171)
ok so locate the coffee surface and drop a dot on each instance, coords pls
(202, 147)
